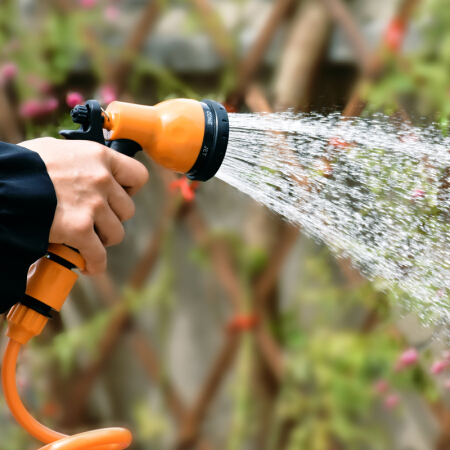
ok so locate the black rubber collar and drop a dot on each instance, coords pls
(215, 141)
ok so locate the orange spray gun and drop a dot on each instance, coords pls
(181, 135)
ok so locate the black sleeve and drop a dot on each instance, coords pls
(27, 207)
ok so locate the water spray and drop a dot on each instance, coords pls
(184, 136)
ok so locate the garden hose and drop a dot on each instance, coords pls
(181, 135)
(50, 280)
(104, 439)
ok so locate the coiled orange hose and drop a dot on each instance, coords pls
(104, 439)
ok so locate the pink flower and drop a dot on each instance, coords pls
(111, 13)
(418, 193)
(391, 401)
(87, 4)
(408, 357)
(107, 94)
(51, 104)
(73, 99)
(438, 367)
(381, 386)
(31, 108)
(8, 71)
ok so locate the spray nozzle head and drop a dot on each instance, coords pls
(182, 135)
(215, 141)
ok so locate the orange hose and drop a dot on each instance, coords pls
(104, 439)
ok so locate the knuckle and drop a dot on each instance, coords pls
(101, 151)
(83, 226)
(97, 204)
(114, 238)
(102, 178)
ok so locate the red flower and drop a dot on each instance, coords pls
(408, 357)
(8, 71)
(243, 322)
(438, 367)
(395, 34)
(111, 13)
(50, 104)
(229, 107)
(391, 401)
(87, 4)
(339, 143)
(73, 99)
(31, 108)
(34, 107)
(418, 193)
(186, 188)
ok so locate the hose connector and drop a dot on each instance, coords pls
(50, 280)
(24, 323)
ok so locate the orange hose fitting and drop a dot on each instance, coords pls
(24, 323)
(50, 282)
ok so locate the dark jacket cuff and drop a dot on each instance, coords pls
(27, 208)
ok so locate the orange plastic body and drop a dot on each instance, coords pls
(171, 132)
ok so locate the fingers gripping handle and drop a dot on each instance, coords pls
(90, 118)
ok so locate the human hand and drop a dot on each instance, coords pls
(94, 186)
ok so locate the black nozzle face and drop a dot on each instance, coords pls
(215, 141)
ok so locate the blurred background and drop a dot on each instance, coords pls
(218, 324)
